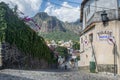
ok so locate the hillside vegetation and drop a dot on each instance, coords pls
(59, 35)
(54, 29)
(16, 32)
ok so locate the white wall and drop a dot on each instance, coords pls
(98, 5)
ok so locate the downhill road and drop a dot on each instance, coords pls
(12, 74)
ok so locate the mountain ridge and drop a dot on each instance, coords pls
(50, 25)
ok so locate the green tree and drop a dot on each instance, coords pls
(62, 51)
(76, 45)
(59, 35)
(14, 31)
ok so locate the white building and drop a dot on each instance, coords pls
(95, 43)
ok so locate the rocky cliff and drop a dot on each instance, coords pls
(48, 23)
(54, 29)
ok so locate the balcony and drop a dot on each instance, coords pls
(112, 15)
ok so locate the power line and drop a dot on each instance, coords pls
(98, 7)
(71, 2)
(59, 4)
(75, 3)
(87, 5)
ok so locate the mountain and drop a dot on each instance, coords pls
(73, 26)
(52, 28)
(48, 23)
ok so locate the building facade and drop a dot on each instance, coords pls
(100, 42)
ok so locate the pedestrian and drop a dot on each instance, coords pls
(65, 67)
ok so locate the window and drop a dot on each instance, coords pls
(119, 3)
(81, 40)
(91, 37)
(85, 19)
(82, 45)
(88, 9)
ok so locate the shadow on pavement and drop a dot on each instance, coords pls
(43, 70)
(10, 77)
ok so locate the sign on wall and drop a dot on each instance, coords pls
(104, 35)
(86, 42)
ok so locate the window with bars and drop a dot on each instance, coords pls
(88, 9)
(81, 45)
(81, 40)
(91, 37)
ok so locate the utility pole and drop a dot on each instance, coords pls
(93, 52)
(115, 66)
(114, 50)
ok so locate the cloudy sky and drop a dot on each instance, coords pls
(65, 10)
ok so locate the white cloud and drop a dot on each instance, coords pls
(69, 14)
(29, 7)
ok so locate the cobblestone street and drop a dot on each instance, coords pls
(9, 74)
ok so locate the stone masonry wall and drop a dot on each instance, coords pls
(106, 68)
(101, 68)
(12, 57)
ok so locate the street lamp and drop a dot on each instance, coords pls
(104, 17)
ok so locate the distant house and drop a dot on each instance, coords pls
(100, 36)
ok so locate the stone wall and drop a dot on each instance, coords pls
(101, 68)
(12, 57)
(106, 68)
(85, 68)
